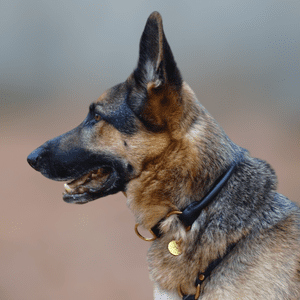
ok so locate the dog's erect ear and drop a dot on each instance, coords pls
(157, 81)
(156, 62)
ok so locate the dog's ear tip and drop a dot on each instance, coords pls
(156, 60)
(155, 19)
(155, 15)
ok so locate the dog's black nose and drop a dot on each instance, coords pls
(34, 158)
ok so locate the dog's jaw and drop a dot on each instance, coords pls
(103, 184)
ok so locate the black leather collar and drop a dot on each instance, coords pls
(192, 211)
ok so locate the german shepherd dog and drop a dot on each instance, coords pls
(220, 230)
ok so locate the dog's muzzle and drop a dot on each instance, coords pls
(89, 175)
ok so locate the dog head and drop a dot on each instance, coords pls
(111, 145)
(140, 137)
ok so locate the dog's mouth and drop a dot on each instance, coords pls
(93, 185)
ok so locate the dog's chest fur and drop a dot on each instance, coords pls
(247, 212)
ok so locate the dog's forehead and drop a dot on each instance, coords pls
(112, 99)
(113, 108)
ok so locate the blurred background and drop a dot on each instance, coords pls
(240, 57)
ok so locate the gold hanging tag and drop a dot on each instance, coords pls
(175, 248)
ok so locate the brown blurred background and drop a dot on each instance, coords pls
(240, 57)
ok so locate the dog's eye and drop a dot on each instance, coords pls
(97, 117)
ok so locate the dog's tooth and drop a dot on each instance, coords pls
(67, 188)
(94, 175)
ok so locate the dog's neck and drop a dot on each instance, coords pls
(152, 196)
(190, 213)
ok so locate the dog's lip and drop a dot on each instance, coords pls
(76, 198)
(92, 193)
